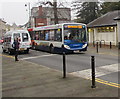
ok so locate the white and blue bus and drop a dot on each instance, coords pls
(67, 37)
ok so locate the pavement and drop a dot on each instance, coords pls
(27, 79)
(114, 51)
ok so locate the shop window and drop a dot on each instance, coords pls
(105, 29)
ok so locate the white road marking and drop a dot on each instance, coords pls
(38, 56)
(99, 71)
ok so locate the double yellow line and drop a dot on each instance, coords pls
(7, 56)
(97, 79)
(106, 82)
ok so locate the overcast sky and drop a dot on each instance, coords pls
(15, 11)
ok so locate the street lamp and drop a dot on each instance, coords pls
(29, 14)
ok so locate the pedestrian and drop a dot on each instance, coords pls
(16, 48)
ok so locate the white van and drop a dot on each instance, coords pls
(24, 39)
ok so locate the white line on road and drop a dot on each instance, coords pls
(99, 71)
(38, 56)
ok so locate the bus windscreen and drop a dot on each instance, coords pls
(75, 33)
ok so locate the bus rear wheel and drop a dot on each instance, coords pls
(51, 49)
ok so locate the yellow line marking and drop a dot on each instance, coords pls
(97, 79)
(7, 56)
(106, 82)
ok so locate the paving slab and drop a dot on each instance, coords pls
(27, 79)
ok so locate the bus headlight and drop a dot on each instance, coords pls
(85, 45)
(66, 46)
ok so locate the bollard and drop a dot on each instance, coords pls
(64, 65)
(118, 45)
(93, 71)
(110, 45)
(97, 47)
(100, 44)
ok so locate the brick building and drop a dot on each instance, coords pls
(41, 16)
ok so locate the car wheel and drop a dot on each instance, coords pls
(4, 51)
(26, 51)
(10, 52)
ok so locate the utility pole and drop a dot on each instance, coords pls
(54, 4)
(29, 14)
(55, 11)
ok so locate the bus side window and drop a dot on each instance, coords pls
(42, 35)
(58, 35)
(36, 35)
(47, 33)
(51, 36)
(39, 34)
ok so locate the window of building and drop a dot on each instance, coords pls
(106, 29)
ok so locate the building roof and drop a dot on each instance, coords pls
(49, 12)
(117, 18)
(105, 20)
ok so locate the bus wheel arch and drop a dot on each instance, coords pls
(51, 48)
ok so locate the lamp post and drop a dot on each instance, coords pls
(29, 14)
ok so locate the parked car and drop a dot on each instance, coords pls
(24, 39)
(1, 41)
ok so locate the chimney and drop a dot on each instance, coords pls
(40, 11)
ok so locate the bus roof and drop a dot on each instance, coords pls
(57, 26)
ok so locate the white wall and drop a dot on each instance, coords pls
(91, 33)
(118, 30)
(106, 36)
